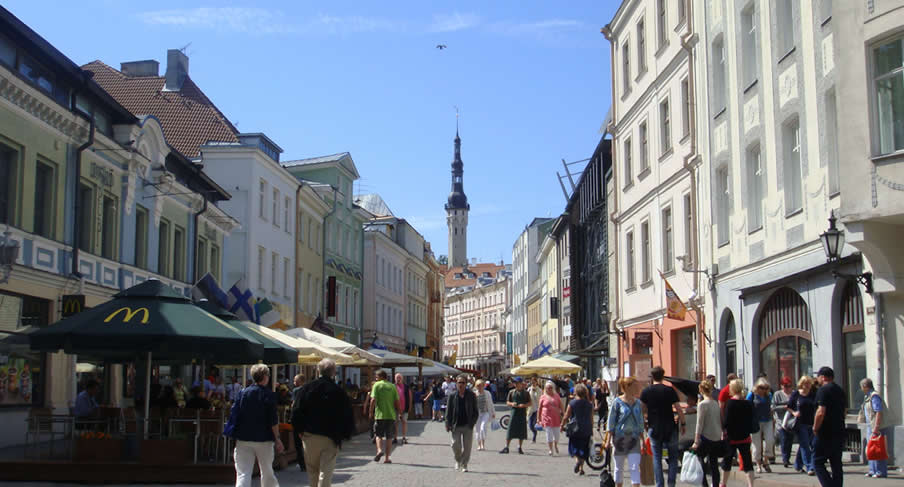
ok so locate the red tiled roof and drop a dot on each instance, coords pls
(188, 117)
(476, 269)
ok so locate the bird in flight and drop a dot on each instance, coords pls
(441, 46)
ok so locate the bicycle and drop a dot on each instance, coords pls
(505, 420)
(597, 458)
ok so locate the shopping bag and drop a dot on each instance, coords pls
(494, 425)
(877, 448)
(646, 470)
(691, 469)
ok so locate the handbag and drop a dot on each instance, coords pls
(229, 428)
(571, 427)
(646, 470)
(789, 421)
(877, 448)
(691, 469)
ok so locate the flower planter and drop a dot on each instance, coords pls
(167, 452)
(94, 450)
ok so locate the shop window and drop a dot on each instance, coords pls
(9, 178)
(21, 369)
(785, 340)
(854, 342)
(45, 192)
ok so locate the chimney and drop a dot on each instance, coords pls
(148, 67)
(176, 69)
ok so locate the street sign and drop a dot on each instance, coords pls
(73, 304)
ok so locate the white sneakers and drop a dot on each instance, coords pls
(464, 468)
(457, 466)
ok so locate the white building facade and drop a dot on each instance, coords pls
(384, 288)
(474, 324)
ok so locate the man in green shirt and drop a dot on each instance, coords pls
(385, 408)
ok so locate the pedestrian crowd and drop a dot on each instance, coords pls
(728, 426)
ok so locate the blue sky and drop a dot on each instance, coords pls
(531, 79)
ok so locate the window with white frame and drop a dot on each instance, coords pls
(661, 14)
(629, 164)
(685, 108)
(262, 200)
(749, 44)
(646, 250)
(755, 189)
(641, 47)
(629, 253)
(665, 126)
(626, 67)
(668, 242)
(787, 28)
(831, 146)
(275, 207)
(286, 213)
(644, 148)
(722, 197)
(888, 73)
(792, 174)
(718, 70)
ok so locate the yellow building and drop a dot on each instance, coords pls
(311, 211)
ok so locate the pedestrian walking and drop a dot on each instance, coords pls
(708, 434)
(661, 404)
(725, 394)
(581, 410)
(535, 392)
(601, 401)
(437, 395)
(763, 439)
(519, 400)
(405, 400)
(624, 431)
(418, 401)
(486, 413)
(828, 429)
(256, 430)
(779, 410)
(737, 429)
(802, 405)
(461, 416)
(385, 408)
(550, 415)
(874, 412)
(323, 419)
(298, 381)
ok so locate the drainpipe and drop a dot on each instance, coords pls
(298, 223)
(323, 244)
(78, 204)
(687, 43)
(880, 343)
(197, 216)
(607, 32)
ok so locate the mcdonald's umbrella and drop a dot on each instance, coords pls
(275, 352)
(149, 317)
(546, 365)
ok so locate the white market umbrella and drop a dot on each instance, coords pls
(547, 365)
(309, 353)
(361, 357)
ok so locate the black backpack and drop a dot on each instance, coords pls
(606, 479)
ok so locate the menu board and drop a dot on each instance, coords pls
(15, 381)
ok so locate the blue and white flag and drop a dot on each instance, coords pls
(239, 301)
(208, 288)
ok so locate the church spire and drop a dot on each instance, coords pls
(457, 198)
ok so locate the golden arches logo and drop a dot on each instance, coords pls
(129, 314)
(72, 306)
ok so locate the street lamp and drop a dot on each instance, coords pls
(833, 243)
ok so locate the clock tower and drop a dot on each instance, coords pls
(457, 208)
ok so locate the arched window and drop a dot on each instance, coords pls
(854, 341)
(785, 341)
(731, 346)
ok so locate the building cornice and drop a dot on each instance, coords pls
(41, 107)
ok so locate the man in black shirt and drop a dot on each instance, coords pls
(828, 428)
(658, 401)
(296, 403)
(461, 416)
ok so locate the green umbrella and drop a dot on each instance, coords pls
(275, 353)
(149, 318)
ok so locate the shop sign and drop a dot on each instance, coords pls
(508, 343)
(73, 304)
(566, 292)
(643, 340)
(129, 314)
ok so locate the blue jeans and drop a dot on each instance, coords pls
(828, 449)
(879, 467)
(785, 440)
(672, 446)
(804, 460)
(533, 425)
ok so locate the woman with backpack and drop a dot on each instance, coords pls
(624, 430)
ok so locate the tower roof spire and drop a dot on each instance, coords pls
(457, 198)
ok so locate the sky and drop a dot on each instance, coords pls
(530, 79)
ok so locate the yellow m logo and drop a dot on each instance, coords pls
(72, 306)
(129, 314)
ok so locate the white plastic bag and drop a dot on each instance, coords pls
(691, 469)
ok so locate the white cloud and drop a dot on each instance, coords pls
(264, 21)
(454, 22)
(542, 29)
(426, 223)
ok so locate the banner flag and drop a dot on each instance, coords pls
(675, 308)
(239, 301)
(208, 288)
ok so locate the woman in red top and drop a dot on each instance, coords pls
(550, 416)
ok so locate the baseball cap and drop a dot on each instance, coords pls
(826, 371)
(786, 381)
(518, 379)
